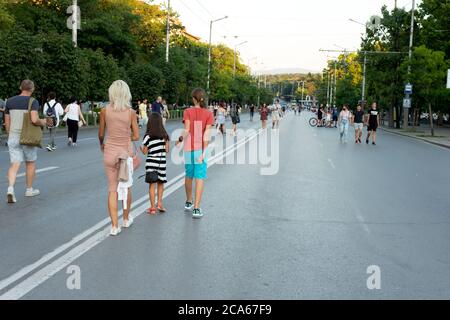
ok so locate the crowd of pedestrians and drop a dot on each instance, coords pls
(144, 109)
(331, 118)
(221, 111)
(118, 133)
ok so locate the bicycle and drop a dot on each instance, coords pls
(313, 122)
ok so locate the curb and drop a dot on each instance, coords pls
(417, 138)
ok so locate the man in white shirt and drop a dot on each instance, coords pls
(52, 111)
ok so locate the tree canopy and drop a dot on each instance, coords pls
(119, 39)
(387, 61)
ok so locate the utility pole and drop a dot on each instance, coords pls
(331, 90)
(407, 102)
(363, 89)
(259, 86)
(74, 21)
(234, 61)
(335, 82)
(168, 31)
(328, 86)
(303, 90)
(209, 58)
(209, 52)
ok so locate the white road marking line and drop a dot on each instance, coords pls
(51, 269)
(47, 272)
(331, 163)
(38, 171)
(24, 271)
(364, 225)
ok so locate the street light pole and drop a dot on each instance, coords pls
(234, 63)
(168, 31)
(259, 87)
(363, 90)
(75, 23)
(335, 82)
(209, 52)
(303, 90)
(328, 86)
(331, 89)
(407, 94)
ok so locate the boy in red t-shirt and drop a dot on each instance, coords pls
(198, 122)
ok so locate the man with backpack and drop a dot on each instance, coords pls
(52, 111)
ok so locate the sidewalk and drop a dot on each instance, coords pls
(441, 138)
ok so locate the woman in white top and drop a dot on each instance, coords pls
(165, 113)
(73, 114)
(344, 121)
(276, 114)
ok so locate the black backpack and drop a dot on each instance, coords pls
(51, 112)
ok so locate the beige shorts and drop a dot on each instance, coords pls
(19, 153)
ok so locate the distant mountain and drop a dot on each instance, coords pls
(287, 71)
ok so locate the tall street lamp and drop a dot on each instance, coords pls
(363, 89)
(209, 53)
(168, 31)
(408, 88)
(234, 62)
(303, 89)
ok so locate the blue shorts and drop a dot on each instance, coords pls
(195, 170)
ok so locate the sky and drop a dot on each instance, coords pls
(282, 34)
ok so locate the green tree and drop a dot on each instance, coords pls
(435, 25)
(146, 81)
(20, 58)
(384, 80)
(428, 73)
(6, 19)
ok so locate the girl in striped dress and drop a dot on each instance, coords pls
(156, 146)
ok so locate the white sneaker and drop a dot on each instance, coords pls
(128, 223)
(49, 148)
(11, 196)
(115, 231)
(32, 193)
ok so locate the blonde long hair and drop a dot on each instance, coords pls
(119, 96)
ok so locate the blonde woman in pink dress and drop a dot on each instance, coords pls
(119, 121)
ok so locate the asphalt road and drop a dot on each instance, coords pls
(308, 232)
